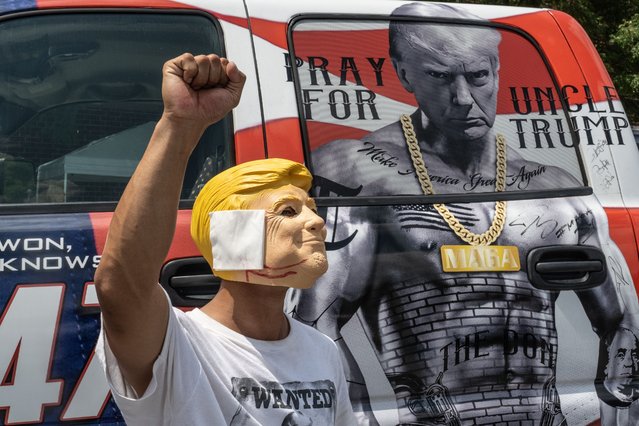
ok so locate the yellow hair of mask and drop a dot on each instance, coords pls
(235, 189)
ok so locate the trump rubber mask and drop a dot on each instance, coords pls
(285, 249)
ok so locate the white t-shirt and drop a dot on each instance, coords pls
(207, 374)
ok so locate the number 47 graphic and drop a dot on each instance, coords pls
(28, 331)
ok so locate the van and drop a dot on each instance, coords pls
(474, 166)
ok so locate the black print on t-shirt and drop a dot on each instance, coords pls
(298, 402)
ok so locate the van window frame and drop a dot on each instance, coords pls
(109, 206)
(385, 200)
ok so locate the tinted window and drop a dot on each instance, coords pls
(80, 96)
(468, 92)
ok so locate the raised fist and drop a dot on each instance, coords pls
(200, 90)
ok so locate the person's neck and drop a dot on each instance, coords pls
(253, 310)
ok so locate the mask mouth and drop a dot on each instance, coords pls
(313, 240)
(272, 276)
(279, 268)
(300, 275)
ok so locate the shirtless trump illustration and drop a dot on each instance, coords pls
(442, 290)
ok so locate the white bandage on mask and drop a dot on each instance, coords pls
(237, 239)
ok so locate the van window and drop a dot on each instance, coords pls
(466, 91)
(80, 94)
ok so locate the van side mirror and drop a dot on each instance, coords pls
(17, 181)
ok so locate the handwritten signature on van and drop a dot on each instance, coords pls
(583, 224)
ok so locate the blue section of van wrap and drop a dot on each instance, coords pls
(78, 327)
(14, 5)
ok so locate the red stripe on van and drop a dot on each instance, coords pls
(589, 60)
(285, 139)
(271, 31)
(182, 246)
(322, 133)
(551, 30)
(634, 217)
(249, 144)
(237, 20)
(623, 224)
(100, 223)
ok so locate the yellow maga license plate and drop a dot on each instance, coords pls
(480, 258)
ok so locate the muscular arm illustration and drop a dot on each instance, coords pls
(614, 314)
(617, 380)
(197, 92)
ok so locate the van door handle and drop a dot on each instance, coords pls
(569, 267)
(189, 282)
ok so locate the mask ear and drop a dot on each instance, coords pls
(237, 239)
(401, 75)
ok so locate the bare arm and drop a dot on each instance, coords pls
(197, 92)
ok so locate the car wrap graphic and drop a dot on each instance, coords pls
(49, 319)
(47, 262)
(46, 359)
(351, 93)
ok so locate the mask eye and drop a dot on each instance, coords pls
(288, 212)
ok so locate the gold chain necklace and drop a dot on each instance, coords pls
(499, 219)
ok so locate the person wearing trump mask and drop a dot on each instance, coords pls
(239, 360)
